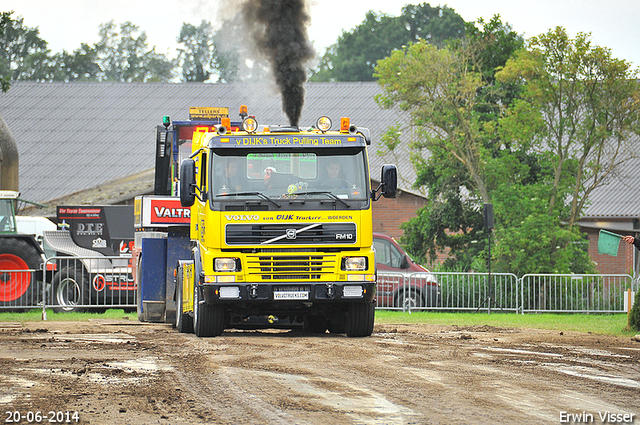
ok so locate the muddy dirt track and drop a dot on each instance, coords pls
(125, 372)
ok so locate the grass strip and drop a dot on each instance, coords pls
(609, 324)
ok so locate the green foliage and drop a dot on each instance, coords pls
(577, 102)
(196, 57)
(21, 51)
(123, 55)
(354, 56)
(634, 316)
(533, 131)
(454, 101)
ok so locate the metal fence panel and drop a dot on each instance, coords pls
(447, 291)
(90, 283)
(574, 293)
(68, 283)
(20, 289)
(471, 291)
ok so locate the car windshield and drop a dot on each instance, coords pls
(338, 175)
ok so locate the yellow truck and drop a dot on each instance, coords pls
(280, 228)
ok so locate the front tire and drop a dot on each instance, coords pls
(70, 289)
(359, 320)
(208, 319)
(18, 288)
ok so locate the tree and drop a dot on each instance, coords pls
(584, 104)
(23, 54)
(196, 57)
(354, 56)
(440, 92)
(79, 65)
(461, 157)
(124, 56)
(5, 78)
(434, 24)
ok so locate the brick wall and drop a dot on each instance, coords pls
(389, 214)
(608, 264)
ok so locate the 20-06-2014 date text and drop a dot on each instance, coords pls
(36, 417)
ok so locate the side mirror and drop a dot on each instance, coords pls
(389, 181)
(187, 182)
(404, 263)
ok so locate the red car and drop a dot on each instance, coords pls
(401, 281)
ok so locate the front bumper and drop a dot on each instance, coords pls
(296, 292)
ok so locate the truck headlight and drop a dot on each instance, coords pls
(351, 264)
(225, 265)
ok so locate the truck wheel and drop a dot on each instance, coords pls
(315, 324)
(360, 318)
(70, 288)
(408, 299)
(208, 319)
(184, 322)
(18, 288)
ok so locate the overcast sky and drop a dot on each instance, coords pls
(64, 24)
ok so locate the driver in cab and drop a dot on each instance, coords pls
(335, 178)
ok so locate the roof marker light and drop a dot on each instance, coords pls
(250, 124)
(344, 125)
(323, 124)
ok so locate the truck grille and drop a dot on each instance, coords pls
(280, 267)
(290, 234)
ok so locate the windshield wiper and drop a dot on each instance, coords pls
(258, 194)
(324, 192)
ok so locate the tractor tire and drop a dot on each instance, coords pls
(70, 289)
(360, 318)
(18, 288)
(184, 321)
(208, 319)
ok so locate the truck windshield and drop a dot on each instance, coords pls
(321, 174)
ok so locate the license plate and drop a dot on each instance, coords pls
(291, 295)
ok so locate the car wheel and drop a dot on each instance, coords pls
(70, 289)
(408, 300)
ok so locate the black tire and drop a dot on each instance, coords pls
(408, 299)
(208, 319)
(184, 321)
(70, 288)
(315, 324)
(360, 318)
(18, 288)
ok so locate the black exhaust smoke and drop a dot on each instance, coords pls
(279, 29)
